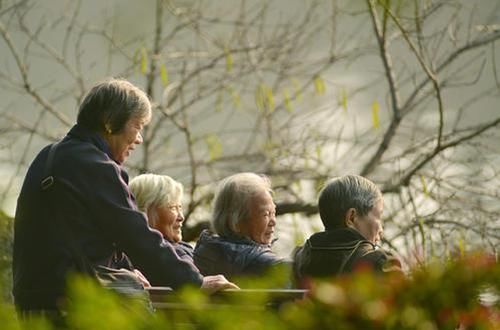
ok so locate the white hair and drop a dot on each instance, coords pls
(152, 191)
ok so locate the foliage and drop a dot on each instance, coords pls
(6, 240)
(440, 296)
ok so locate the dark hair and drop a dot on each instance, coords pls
(342, 193)
(110, 104)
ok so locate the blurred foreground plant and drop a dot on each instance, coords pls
(461, 294)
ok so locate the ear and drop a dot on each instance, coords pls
(108, 129)
(349, 217)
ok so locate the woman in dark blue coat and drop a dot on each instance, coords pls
(90, 207)
(244, 219)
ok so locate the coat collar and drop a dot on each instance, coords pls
(87, 135)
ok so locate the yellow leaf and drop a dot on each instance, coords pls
(319, 85)
(214, 146)
(375, 115)
(264, 98)
(344, 99)
(461, 245)
(229, 59)
(144, 60)
(288, 102)
(269, 99)
(318, 152)
(296, 89)
(259, 98)
(424, 186)
(218, 102)
(164, 75)
(235, 96)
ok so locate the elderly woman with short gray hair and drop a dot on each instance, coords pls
(351, 209)
(160, 197)
(75, 210)
(244, 220)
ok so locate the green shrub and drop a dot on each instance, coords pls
(439, 296)
(6, 239)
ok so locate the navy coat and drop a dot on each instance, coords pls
(234, 257)
(101, 214)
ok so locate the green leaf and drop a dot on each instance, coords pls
(375, 114)
(164, 75)
(288, 102)
(319, 85)
(264, 98)
(269, 99)
(424, 186)
(296, 89)
(214, 146)
(344, 99)
(461, 246)
(235, 96)
(144, 60)
(218, 101)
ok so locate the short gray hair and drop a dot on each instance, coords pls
(110, 104)
(232, 201)
(345, 192)
(152, 190)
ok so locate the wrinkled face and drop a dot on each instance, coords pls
(262, 220)
(370, 225)
(169, 221)
(122, 143)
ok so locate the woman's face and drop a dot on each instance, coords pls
(169, 221)
(262, 220)
(370, 225)
(121, 144)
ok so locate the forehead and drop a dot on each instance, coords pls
(138, 121)
(378, 206)
(262, 199)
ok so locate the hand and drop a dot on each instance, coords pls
(142, 278)
(215, 283)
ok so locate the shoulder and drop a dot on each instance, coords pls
(183, 248)
(381, 260)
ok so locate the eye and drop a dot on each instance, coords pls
(175, 207)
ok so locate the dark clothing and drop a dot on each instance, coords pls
(233, 257)
(98, 209)
(339, 251)
(184, 250)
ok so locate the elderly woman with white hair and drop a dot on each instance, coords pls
(160, 198)
(244, 219)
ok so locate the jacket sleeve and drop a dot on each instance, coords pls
(263, 260)
(381, 262)
(120, 221)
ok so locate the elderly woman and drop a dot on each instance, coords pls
(160, 197)
(75, 206)
(244, 218)
(351, 209)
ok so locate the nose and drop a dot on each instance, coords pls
(138, 139)
(272, 220)
(180, 216)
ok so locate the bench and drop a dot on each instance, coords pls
(164, 298)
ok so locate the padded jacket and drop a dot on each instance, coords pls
(91, 196)
(233, 257)
(339, 251)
